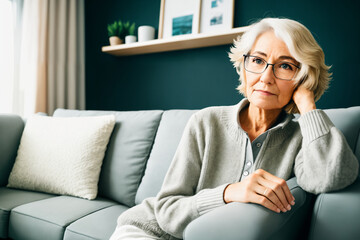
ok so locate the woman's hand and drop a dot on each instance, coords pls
(262, 188)
(304, 99)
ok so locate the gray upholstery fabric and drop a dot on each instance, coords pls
(127, 152)
(347, 120)
(43, 216)
(336, 215)
(357, 150)
(167, 139)
(11, 128)
(11, 198)
(237, 221)
(51, 216)
(98, 225)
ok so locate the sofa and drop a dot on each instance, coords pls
(138, 154)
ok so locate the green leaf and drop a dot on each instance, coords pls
(132, 29)
(121, 29)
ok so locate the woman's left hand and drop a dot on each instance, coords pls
(304, 99)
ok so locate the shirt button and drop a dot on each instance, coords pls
(258, 145)
(246, 173)
(248, 164)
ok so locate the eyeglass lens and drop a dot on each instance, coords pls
(282, 70)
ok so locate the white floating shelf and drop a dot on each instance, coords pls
(175, 43)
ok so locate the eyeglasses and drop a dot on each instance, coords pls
(282, 70)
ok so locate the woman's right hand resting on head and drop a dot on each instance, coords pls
(262, 188)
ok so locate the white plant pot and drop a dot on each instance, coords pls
(130, 39)
(115, 40)
(146, 33)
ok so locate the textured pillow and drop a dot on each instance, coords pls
(62, 155)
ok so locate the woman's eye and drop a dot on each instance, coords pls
(286, 66)
(257, 61)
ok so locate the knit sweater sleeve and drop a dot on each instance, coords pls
(325, 162)
(178, 203)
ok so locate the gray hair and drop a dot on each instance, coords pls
(314, 73)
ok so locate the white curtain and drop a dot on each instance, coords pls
(66, 67)
(9, 53)
(46, 65)
(29, 50)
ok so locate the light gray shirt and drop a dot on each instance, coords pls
(252, 149)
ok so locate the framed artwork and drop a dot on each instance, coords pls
(216, 15)
(178, 17)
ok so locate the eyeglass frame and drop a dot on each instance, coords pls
(272, 64)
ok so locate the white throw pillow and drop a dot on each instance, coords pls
(62, 155)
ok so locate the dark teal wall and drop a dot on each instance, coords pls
(204, 77)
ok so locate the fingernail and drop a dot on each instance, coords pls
(293, 203)
(284, 210)
(293, 198)
(278, 210)
(288, 207)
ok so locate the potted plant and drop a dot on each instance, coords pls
(129, 32)
(115, 32)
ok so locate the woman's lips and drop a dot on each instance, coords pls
(264, 92)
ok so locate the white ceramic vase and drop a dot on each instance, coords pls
(146, 33)
(130, 39)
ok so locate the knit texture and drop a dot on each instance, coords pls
(62, 155)
(211, 155)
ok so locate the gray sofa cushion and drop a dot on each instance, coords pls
(49, 218)
(357, 150)
(127, 152)
(98, 225)
(243, 221)
(347, 121)
(336, 215)
(11, 198)
(167, 139)
(11, 128)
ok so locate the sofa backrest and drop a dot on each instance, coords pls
(348, 121)
(127, 152)
(11, 128)
(166, 141)
(143, 144)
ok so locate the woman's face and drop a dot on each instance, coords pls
(264, 90)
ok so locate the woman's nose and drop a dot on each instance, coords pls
(268, 76)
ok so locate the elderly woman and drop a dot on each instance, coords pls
(245, 153)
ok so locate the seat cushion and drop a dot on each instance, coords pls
(11, 198)
(50, 217)
(98, 225)
(127, 152)
(166, 141)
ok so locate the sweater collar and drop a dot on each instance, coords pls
(285, 117)
(231, 119)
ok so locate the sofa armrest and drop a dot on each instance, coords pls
(11, 128)
(336, 214)
(252, 221)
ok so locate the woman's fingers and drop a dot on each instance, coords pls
(275, 193)
(265, 202)
(271, 196)
(262, 188)
(280, 184)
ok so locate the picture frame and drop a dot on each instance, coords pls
(216, 15)
(179, 17)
